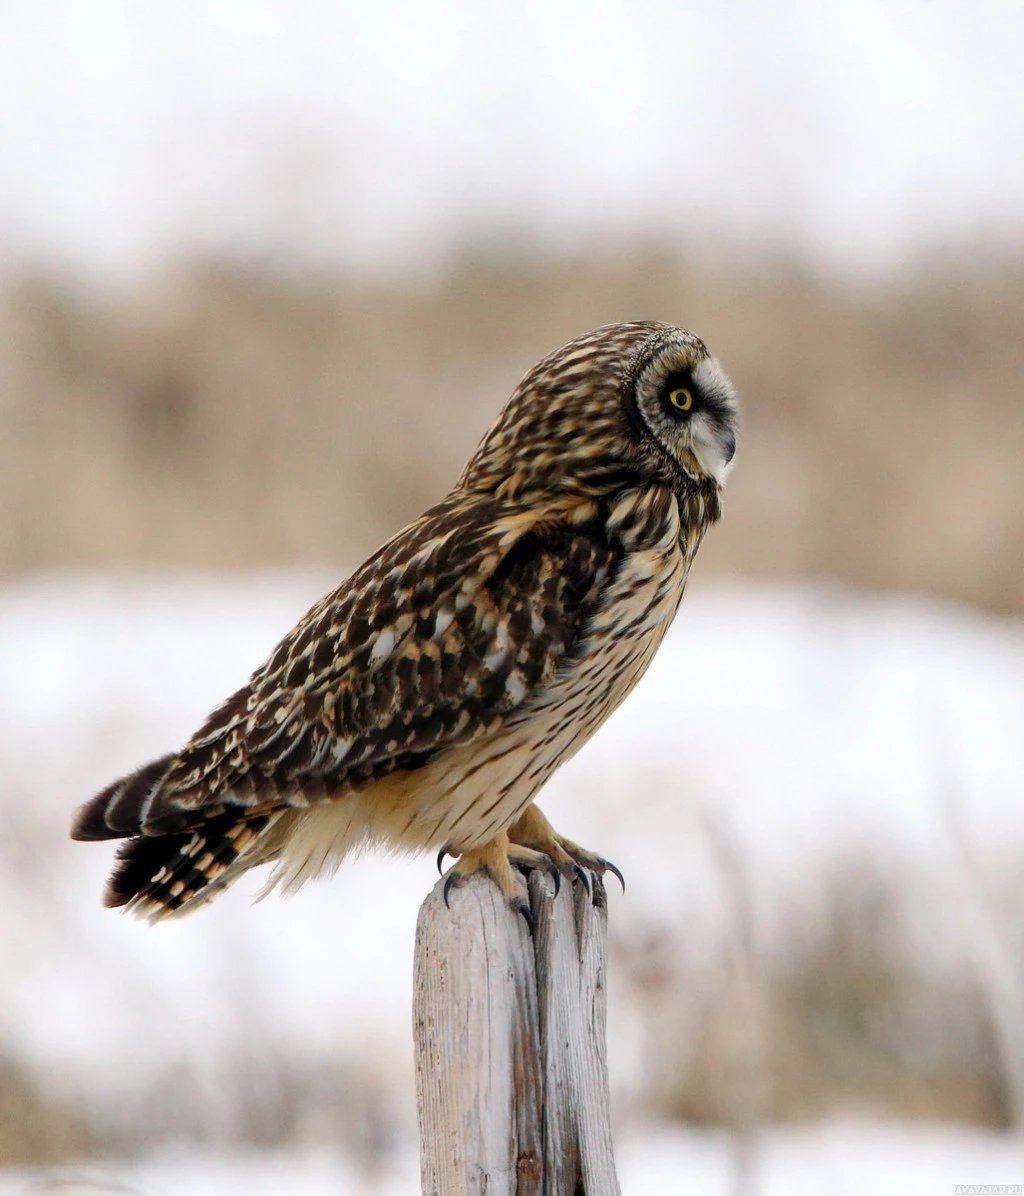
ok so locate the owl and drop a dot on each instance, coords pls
(423, 703)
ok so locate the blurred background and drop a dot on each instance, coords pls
(267, 272)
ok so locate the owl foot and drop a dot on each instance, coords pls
(499, 859)
(533, 830)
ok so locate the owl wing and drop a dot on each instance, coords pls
(452, 626)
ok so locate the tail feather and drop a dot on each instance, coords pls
(119, 809)
(138, 863)
(159, 875)
(184, 856)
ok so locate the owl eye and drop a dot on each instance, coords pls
(681, 399)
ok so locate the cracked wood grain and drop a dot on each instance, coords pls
(511, 1077)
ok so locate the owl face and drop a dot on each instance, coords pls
(681, 404)
(643, 399)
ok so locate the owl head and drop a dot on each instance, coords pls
(626, 404)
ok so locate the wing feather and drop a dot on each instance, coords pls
(451, 627)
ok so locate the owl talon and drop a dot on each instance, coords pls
(596, 864)
(533, 831)
(616, 873)
(440, 859)
(496, 858)
(523, 907)
(589, 862)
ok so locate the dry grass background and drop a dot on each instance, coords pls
(848, 1016)
(215, 417)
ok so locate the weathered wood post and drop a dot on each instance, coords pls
(511, 1078)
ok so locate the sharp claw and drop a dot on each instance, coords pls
(583, 876)
(524, 908)
(616, 873)
(440, 859)
(558, 880)
(450, 882)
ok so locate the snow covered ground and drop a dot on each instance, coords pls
(806, 722)
(844, 1158)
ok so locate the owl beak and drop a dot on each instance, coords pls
(714, 447)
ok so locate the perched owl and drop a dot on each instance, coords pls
(424, 702)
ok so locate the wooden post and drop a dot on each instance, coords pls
(511, 1079)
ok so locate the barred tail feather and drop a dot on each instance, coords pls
(177, 857)
(158, 876)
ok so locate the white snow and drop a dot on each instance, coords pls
(804, 721)
(841, 1158)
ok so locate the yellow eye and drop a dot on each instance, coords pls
(681, 399)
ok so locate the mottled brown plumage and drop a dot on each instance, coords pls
(425, 701)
